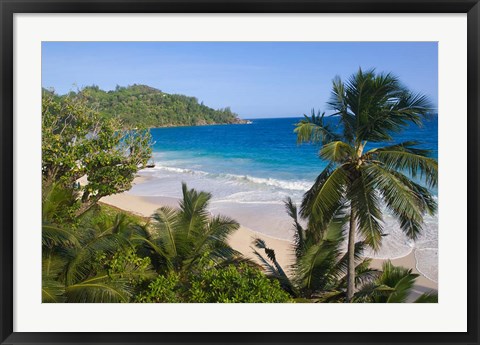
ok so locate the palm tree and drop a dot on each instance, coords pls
(370, 107)
(319, 273)
(180, 237)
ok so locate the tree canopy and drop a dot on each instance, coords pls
(78, 142)
(145, 106)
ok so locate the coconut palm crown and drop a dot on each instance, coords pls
(181, 237)
(371, 107)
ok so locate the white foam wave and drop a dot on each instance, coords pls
(293, 185)
(253, 197)
(179, 170)
(297, 185)
(427, 262)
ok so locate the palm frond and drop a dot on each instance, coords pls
(221, 252)
(415, 106)
(314, 268)
(325, 196)
(339, 104)
(118, 291)
(193, 209)
(402, 289)
(417, 165)
(381, 105)
(58, 236)
(314, 129)
(213, 240)
(219, 228)
(272, 266)
(410, 146)
(156, 250)
(337, 151)
(56, 201)
(53, 288)
(339, 269)
(366, 204)
(309, 196)
(426, 200)
(372, 293)
(269, 268)
(406, 204)
(400, 279)
(270, 253)
(331, 296)
(364, 274)
(165, 223)
(299, 235)
(428, 297)
(53, 291)
(79, 268)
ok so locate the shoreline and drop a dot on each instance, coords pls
(241, 240)
(239, 122)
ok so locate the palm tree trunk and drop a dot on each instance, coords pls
(351, 258)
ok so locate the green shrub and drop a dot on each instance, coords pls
(208, 284)
(164, 289)
(242, 284)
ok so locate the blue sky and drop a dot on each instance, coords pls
(255, 79)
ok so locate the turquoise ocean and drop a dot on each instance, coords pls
(251, 169)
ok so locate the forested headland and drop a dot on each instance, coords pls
(145, 106)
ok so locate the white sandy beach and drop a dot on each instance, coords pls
(241, 240)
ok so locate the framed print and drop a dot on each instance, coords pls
(239, 172)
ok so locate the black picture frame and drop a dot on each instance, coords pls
(9, 7)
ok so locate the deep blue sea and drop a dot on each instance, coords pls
(251, 169)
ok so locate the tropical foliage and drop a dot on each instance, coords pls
(95, 253)
(94, 261)
(181, 255)
(370, 107)
(77, 142)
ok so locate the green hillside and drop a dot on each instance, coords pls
(145, 106)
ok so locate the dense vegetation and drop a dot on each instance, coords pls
(179, 256)
(241, 283)
(95, 253)
(145, 106)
